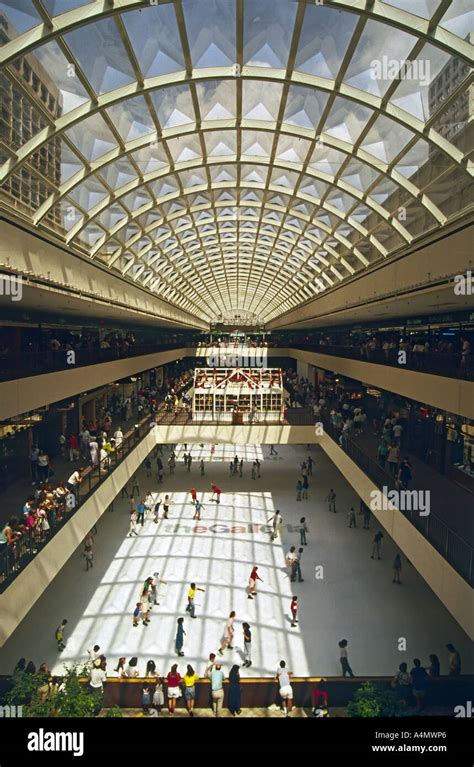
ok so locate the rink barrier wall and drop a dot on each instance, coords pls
(450, 587)
(443, 691)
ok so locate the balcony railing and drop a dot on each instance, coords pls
(15, 556)
(457, 551)
(445, 364)
(25, 364)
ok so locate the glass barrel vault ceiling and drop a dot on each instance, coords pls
(237, 154)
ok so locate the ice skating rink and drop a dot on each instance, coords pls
(355, 599)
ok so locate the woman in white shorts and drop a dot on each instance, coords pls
(286, 691)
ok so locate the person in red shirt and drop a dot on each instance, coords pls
(193, 492)
(320, 698)
(174, 680)
(254, 577)
(294, 611)
(215, 491)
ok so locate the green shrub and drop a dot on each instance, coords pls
(372, 700)
(71, 700)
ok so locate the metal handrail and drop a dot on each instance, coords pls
(14, 557)
(455, 549)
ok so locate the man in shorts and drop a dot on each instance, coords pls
(286, 691)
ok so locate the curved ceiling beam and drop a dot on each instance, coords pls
(397, 18)
(121, 95)
(267, 128)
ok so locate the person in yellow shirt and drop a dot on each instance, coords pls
(190, 678)
(191, 594)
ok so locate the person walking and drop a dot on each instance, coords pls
(352, 517)
(233, 701)
(346, 669)
(59, 634)
(179, 639)
(228, 634)
(304, 491)
(405, 474)
(241, 467)
(190, 678)
(257, 467)
(273, 451)
(135, 486)
(393, 459)
(294, 611)
(303, 531)
(247, 644)
(299, 488)
(254, 577)
(171, 463)
(254, 471)
(88, 555)
(397, 569)
(190, 608)
(331, 499)
(285, 689)
(216, 491)
(309, 464)
(173, 680)
(377, 542)
(276, 521)
(201, 466)
(189, 462)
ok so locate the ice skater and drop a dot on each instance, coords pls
(216, 491)
(166, 506)
(193, 492)
(179, 639)
(303, 531)
(133, 523)
(228, 634)
(136, 614)
(247, 644)
(141, 509)
(294, 611)
(198, 507)
(88, 555)
(276, 521)
(190, 608)
(154, 585)
(156, 511)
(254, 577)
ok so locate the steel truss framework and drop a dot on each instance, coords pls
(242, 154)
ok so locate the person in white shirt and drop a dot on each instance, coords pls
(228, 634)
(70, 501)
(132, 671)
(153, 590)
(286, 691)
(290, 559)
(118, 437)
(74, 481)
(97, 677)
